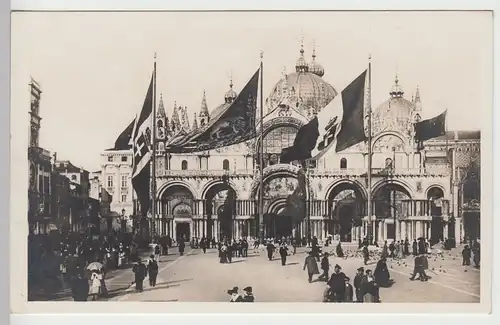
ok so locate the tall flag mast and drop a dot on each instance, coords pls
(153, 162)
(369, 141)
(261, 152)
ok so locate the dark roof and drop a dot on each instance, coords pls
(122, 142)
(460, 135)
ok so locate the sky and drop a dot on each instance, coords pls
(94, 68)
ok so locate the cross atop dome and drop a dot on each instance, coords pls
(315, 67)
(301, 65)
(230, 95)
(397, 90)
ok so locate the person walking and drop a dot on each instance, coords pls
(140, 274)
(283, 253)
(466, 255)
(337, 284)
(366, 254)
(95, 289)
(311, 265)
(357, 284)
(270, 250)
(157, 253)
(325, 266)
(152, 271)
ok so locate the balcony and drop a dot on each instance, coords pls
(207, 173)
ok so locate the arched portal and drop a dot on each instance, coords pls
(177, 204)
(346, 208)
(435, 197)
(388, 201)
(278, 223)
(220, 202)
(470, 201)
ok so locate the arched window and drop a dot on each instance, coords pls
(225, 164)
(343, 163)
(184, 165)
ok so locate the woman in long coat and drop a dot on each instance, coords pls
(311, 265)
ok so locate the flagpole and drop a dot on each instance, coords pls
(369, 173)
(261, 152)
(153, 161)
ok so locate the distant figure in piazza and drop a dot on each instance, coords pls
(366, 254)
(182, 246)
(270, 250)
(466, 255)
(283, 253)
(222, 253)
(339, 251)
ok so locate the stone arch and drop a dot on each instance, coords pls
(393, 182)
(164, 187)
(357, 186)
(276, 206)
(274, 124)
(345, 207)
(211, 185)
(433, 187)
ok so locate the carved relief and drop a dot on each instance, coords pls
(386, 143)
(182, 210)
(279, 187)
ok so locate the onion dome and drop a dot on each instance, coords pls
(230, 95)
(394, 112)
(315, 67)
(304, 90)
(301, 65)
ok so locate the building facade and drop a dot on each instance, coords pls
(431, 192)
(40, 169)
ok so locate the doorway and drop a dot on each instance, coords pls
(346, 214)
(278, 226)
(182, 231)
(437, 229)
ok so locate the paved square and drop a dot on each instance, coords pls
(198, 277)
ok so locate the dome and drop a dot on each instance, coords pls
(315, 67)
(230, 95)
(396, 110)
(302, 89)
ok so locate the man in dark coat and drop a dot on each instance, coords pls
(325, 266)
(80, 288)
(357, 284)
(466, 255)
(152, 271)
(422, 249)
(337, 284)
(406, 250)
(414, 247)
(283, 254)
(203, 245)
(140, 274)
(339, 250)
(381, 274)
(244, 245)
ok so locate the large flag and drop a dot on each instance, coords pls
(317, 136)
(124, 140)
(296, 202)
(352, 129)
(431, 128)
(234, 124)
(141, 145)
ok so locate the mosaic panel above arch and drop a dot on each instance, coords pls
(387, 142)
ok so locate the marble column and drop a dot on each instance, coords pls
(174, 230)
(381, 225)
(403, 230)
(374, 228)
(397, 233)
(445, 231)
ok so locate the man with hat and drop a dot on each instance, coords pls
(325, 266)
(337, 284)
(235, 296)
(248, 297)
(152, 270)
(357, 284)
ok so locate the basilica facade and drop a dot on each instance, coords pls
(431, 192)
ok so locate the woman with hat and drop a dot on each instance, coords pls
(235, 296)
(248, 297)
